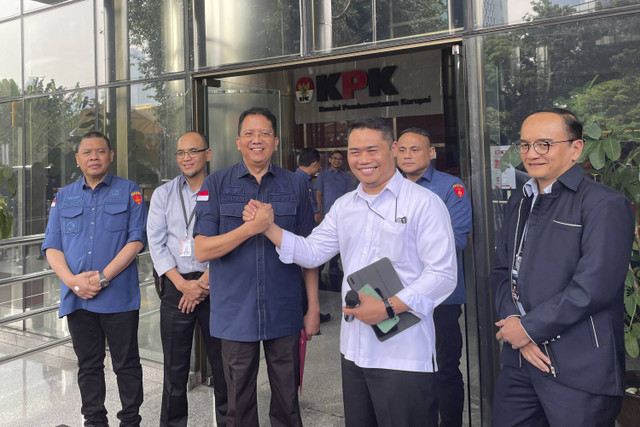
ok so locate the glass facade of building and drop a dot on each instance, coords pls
(146, 71)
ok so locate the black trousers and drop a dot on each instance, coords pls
(527, 397)
(176, 329)
(387, 398)
(449, 384)
(88, 332)
(241, 362)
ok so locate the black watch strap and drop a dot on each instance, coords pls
(390, 311)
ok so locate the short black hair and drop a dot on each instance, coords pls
(259, 111)
(417, 131)
(308, 156)
(374, 123)
(572, 123)
(94, 134)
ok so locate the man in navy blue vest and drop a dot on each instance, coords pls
(558, 280)
(415, 153)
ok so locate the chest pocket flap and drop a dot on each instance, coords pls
(230, 216)
(285, 214)
(71, 219)
(115, 218)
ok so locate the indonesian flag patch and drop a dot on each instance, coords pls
(459, 190)
(53, 204)
(137, 197)
(203, 196)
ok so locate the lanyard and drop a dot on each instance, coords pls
(184, 212)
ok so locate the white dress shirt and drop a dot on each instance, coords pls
(166, 228)
(364, 229)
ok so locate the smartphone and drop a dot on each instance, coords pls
(387, 324)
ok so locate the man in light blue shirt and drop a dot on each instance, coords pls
(185, 282)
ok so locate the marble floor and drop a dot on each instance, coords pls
(41, 390)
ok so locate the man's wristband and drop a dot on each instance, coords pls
(388, 305)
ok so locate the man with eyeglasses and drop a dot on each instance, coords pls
(96, 228)
(255, 298)
(331, 184)
(391, 382)
(183, 283)
(415, 155)
(558, 280)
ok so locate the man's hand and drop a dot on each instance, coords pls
(193, 293)
(532, 353)
(86, 285)
(512, 332)
(258, 215)
(370, 311)
(311, 323)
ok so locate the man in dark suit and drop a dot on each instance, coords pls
(558, 280)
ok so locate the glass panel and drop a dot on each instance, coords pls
(10, 75)
(156, 37)
(54, 124)
(491, 13)
(245, 30)
(30, 5)
(344, 23)
(11, 205)
(9, 8)
(61, 55)
(591, 70)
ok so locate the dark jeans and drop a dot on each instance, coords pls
(88, 332)
(386, 397)
(449, 384)
(241, 361)
(176, 330)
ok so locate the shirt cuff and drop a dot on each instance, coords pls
(416, 302)
(286, 247)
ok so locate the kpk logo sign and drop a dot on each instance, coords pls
(376, 80)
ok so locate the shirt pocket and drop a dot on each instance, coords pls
(71, 218)
(230, 217)
(567, 225)
(115, 218)
(391, 241)
(284, 215)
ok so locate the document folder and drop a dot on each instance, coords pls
(384, 279)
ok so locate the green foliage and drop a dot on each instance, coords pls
(8, 178)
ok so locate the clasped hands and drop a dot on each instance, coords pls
(258, 216)
(86, 285)
(512, 332)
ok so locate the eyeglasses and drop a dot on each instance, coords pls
(541, 146)
(261, 134)
(336, 158)
(189, 153)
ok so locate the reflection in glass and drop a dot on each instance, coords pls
(61, 54)
(591, 70)
(30, 5)
(245, 30)
(353, 22)
(10, 75)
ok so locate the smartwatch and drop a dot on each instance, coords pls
(103, 280)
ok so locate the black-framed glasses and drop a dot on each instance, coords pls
(541, 146)
(189, 153)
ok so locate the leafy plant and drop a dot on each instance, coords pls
(8, 177)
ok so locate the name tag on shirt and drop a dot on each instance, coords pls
(185, 247)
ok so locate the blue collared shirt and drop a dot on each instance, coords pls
(452, 192)
(166, 228)
(312, 194)
(91, 227)
(254, 296)
(332, 185)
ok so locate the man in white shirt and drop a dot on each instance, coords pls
(387, 382)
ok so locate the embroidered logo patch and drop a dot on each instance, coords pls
(137, 197)
(459, 190)
(203, 196)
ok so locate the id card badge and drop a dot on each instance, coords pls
(185, 247)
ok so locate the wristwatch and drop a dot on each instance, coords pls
(103, 280)
(390, 311)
